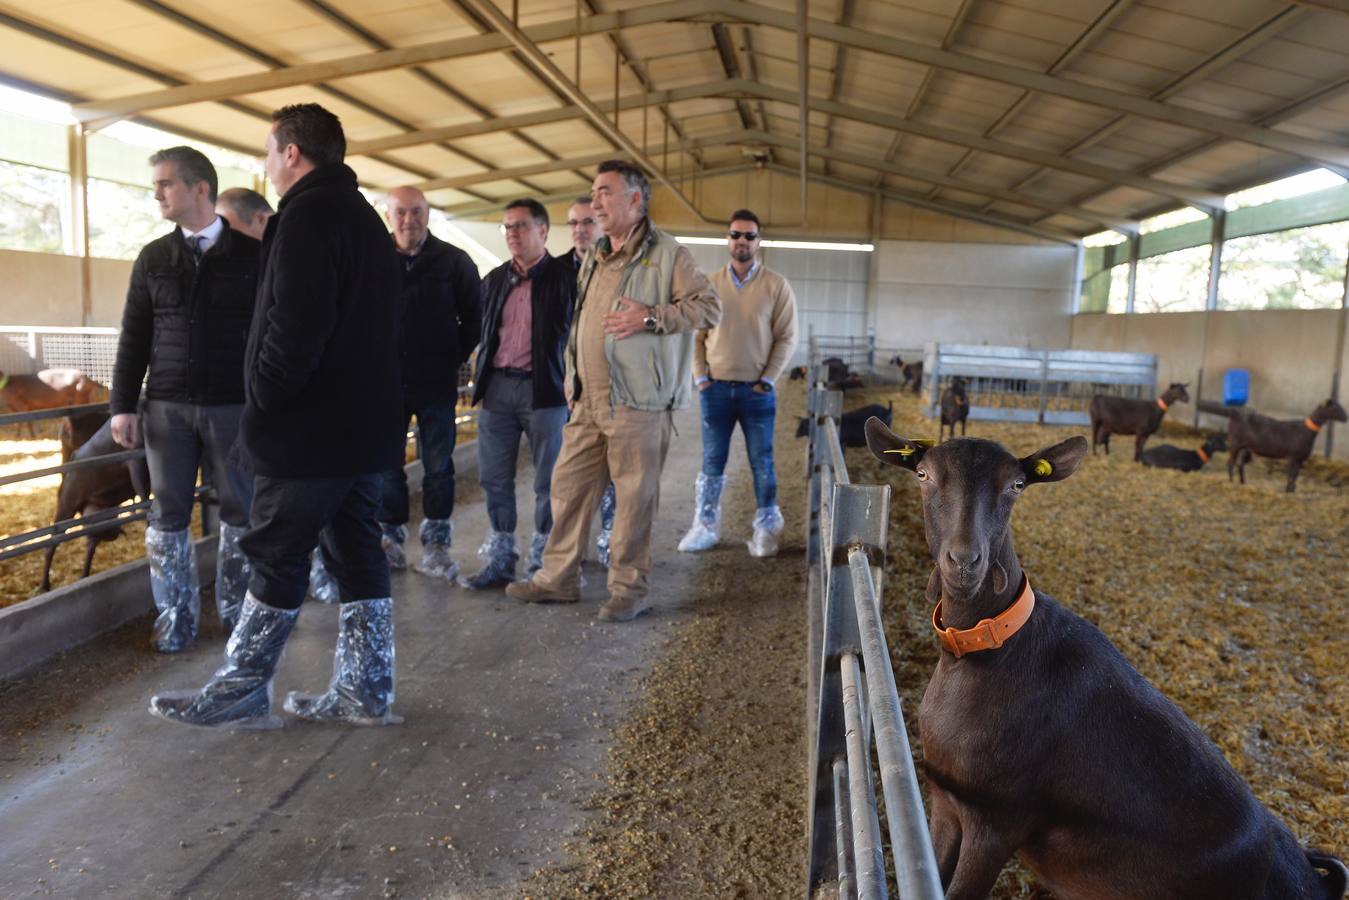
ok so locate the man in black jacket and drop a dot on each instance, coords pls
(186, 319)
(527, 309)
(323, 418)
(441, 313)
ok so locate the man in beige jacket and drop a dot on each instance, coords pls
(735, 366)
(640, 298)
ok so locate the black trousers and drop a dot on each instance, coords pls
(290, 515)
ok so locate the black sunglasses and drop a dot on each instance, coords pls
(747, 235)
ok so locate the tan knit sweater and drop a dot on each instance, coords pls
(757, 333)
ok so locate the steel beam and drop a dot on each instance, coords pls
(573, 92)
(94, 112)
(888, 45)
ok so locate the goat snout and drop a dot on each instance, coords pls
(963, 558)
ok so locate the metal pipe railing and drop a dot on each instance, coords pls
(854, 695)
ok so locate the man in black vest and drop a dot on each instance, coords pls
(441, 312)
(527, 309)
(186, 319)
(323, 418)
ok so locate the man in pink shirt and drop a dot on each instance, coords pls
(527, 310)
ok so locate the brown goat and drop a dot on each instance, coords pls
(87, 491)
(1040, 740)
(913, 373)
(1123, 415)
(1291, 439)
(955, 407)
(48, 389)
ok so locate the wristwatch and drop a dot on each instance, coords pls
(649, 323)
(767, 386)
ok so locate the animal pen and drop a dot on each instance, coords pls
(1020, 384)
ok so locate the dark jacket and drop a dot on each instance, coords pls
(442, 314)
(323, 392)
(187, 322)
(552, 299)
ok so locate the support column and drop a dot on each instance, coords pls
(1218, 219)
(77, 146)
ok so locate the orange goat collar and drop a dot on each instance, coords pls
(1203, 457)
(988, 634)
(1163, 404)
(1310, 424)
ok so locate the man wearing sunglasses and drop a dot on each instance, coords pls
(735, 366)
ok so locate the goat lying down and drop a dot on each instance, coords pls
(1169, 456)
(1041, 740)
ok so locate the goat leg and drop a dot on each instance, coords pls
(983, 853)
(47, 570)
(90, 545)
(1294, 466)
(1139, 441)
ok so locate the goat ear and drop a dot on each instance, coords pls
(1054, 463)
(892, 449)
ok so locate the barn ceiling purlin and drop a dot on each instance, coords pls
(1046, 116)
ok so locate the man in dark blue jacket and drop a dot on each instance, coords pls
(527, 310)
(441, 310)
(186, 319)
(323, 418)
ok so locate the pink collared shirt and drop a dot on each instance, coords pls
(514, 349)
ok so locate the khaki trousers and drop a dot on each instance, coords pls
(627, 446)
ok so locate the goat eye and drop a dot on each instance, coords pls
(921, 473)
(1018, 486)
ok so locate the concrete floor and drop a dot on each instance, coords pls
(507, 709)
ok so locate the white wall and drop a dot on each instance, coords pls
(973, 293)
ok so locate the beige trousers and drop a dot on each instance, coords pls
(627, 446)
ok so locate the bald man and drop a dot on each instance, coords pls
(440, 310)
(246, 211)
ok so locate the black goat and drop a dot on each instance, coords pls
(1124, 415)
(852, 425)
(913, 373)
(1168, 456)
(1041, 741)
(955, 407)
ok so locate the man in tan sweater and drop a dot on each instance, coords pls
(735, 366)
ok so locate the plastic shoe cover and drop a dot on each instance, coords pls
(768, 525)
(232, 572)
(239, 694)
(536, 545)
(392, 540)
(437, 562)
(175, 587)
(322, 584)
(436, 531)
(706, 529)
(361, 692)
(501, 559)
(604, 540)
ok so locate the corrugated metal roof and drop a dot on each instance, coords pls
(1042, 113)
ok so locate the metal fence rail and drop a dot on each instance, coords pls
(1019, 384)
(853, 695)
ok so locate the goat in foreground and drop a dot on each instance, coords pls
(1124, 415)
(1168, 456)
(1041, 740)
(1251, 433)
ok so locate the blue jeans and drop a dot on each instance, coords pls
(724, 403)
(435, 423)
(508, 413)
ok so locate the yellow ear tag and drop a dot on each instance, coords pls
(1043, 468)
(903, 451)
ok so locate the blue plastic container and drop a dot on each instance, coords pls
(1236, 387)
